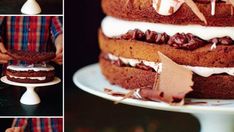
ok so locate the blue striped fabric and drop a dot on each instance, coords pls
(39, 124)
(33, 33)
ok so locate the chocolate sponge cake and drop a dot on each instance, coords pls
(197, 34)
(30, 74)
(34, 68)
(31, 56)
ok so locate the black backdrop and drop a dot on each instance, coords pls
(47, 6)
(87, 112)
(5, 123)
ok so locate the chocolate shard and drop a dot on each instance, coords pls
(195, 10)
(175, 81)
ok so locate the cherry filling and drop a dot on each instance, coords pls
(179, 40)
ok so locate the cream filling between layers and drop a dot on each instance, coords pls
(114, 27)
(35, 68)
(202, 71)
(33, 78)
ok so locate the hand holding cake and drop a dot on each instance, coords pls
(31, 42)
(15, 129)
(4, 58)
(59, 50)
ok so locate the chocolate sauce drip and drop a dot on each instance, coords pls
(179, 40)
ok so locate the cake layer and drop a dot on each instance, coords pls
(31, 56)
(30, 74)
(30, 80)
(35, 67)
(114, 27)
(221, 56)
(157, 66)
(215, 86)
(143, 10)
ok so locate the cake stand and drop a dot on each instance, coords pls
(31, 7)
(30, 97)
(214, 115)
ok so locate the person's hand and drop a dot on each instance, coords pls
(59, 50)
(15, 129)
(4, 58)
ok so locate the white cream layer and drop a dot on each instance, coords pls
(33, 78)
(202, 71)
(113, 27)
(35, 68)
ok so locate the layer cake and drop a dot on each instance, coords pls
(198, 35)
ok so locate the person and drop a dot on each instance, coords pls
(36, 125)
(32, 33)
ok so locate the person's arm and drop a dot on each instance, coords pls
(57, 32)
(4, 58)
(59, 49)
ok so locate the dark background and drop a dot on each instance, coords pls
(47, 6)
(5, 123)
(86, 112)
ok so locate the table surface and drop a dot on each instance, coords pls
(51, 101)
(47, 6)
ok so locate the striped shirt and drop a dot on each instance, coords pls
(33, 33)
(39, 124)
(29, 33)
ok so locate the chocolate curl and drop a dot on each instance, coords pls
(127, 1)
(128, 95)
(195, 10)
(232, 2)
(232, 10)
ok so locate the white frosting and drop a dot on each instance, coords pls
(202, 71)
(33, 78)
(35, 68)
(167, 7)
(133, 62)
(113, 27)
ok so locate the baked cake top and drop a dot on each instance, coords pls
(183, 12)
(30, 56)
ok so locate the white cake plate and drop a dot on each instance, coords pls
(31, 7)
(214, 115)
(30, 97)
